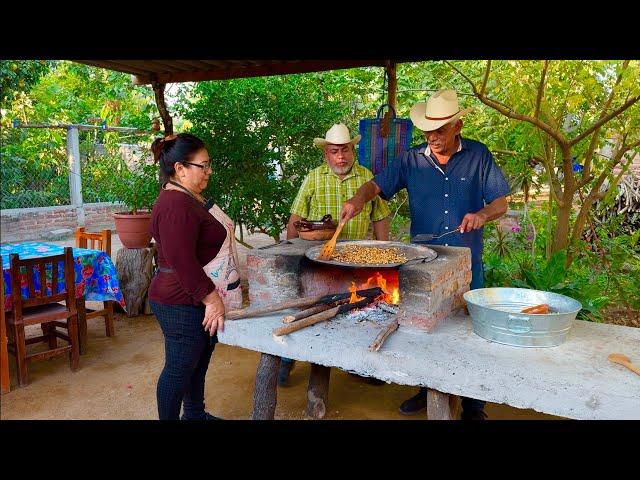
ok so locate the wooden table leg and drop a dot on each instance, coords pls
(442, 406)
(265, 394)
(318, 391)
(82, 325)
(4, 354)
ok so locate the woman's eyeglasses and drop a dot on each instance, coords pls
(204, 166)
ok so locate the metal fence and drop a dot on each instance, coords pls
(66, 172)
(26, 183)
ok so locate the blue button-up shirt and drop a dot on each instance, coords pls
(440, 196)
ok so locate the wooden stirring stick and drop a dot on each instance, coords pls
(327, 249)
(623, 360)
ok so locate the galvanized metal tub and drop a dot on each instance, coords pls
(496, 315)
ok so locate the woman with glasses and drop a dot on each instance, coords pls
(183, 296)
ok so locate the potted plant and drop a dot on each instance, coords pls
(138, 190)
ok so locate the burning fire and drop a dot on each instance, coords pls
(390, 294)
(354, 297)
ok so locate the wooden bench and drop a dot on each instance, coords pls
(573, 380)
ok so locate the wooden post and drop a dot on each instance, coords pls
(265, 395)
(82, 325)
(4, 353)
(135, 270)
(442, 406)
(318, 391)
(392, 87)
(75, 180)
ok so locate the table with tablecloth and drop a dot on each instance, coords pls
(96, 278)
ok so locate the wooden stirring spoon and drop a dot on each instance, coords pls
(623, 360)
(327, 249)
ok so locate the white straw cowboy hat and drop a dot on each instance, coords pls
(441, 108)
(337, 135)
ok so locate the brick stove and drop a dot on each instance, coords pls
(428, 291)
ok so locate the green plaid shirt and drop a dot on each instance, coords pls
(323, 192)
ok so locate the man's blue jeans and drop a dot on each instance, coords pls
(285, 361)
(477, 281)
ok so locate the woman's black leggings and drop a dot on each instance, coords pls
(188, 350)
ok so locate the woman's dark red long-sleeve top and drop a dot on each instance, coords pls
(187, 238)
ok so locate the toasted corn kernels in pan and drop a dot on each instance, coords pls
(368, 255)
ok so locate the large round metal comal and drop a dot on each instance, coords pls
(411, 251)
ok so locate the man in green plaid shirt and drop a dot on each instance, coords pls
(326, 188)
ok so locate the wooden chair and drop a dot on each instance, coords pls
(96, 241)
(4, 355)
(40, 308)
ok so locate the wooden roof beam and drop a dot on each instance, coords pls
(304, 66)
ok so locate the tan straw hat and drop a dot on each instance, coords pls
(441, 108)
(337, 135)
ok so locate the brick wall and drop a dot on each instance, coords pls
(20, 224)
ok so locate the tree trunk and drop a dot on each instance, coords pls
(561, 239)
(265, 394)
(318, 391)
(442, 406)
(550, 222)
(578, 227)
(392, 88)
(135, 269)
(167, 121)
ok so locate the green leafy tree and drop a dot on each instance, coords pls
(18, 76)
(573, 110)
(259, 133)
(34, 161)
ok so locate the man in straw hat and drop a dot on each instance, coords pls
(327, 187)
(453, 184)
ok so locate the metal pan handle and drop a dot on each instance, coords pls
(518, 324)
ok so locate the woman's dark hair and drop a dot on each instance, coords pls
(174, 149)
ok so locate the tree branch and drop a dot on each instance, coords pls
(567, 168)
(595, 194)
(475, 91)
(623, 170)
(617, 158)
(486, 77)
(555, 194)
(508, 111)
(541, 88)
(556, 135)
(607, 104)
(250, 247)
(585, 179)
(604, 120)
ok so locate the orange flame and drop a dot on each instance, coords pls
(354, 297)
(389, 295)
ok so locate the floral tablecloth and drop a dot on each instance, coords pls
(96, 277)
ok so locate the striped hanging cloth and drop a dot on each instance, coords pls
(383, 139)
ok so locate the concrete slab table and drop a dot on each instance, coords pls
(573, 380)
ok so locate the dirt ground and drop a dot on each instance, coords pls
(117, 380)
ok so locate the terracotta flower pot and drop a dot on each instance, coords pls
(133, 230)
